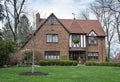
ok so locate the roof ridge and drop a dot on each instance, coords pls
(75, 21)
(70, 25)
(80, 27)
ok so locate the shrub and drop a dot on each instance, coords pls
(91, 63)
(24, 57)
(102, 64)
(64, 57)
(29, 54)
(58, 63)
(5, 49)
(27, 57)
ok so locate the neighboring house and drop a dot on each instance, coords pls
(70, 38)
(117, 58)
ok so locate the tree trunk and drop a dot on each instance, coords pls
(108, 54)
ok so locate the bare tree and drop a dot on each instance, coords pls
(105, 16)
(6, 33)
(1, 35)
(117, 24)
(13, 10)
(114, 5)
(23, 29)
(84, 14)
(1, 11)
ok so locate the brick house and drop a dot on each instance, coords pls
(116, 58)
(72, 39)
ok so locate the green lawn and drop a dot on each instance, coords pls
(62, 74)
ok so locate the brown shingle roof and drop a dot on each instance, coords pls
(85, 25)
(94, 25)
(75, 27)
(80, 26)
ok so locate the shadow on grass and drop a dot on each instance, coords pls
(33, 74)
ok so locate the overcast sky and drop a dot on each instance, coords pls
(61, 8)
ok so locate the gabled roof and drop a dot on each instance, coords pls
(86, 25)
(78, 26)
(94, 25)
(43, 21)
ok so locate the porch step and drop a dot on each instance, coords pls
(81, 65)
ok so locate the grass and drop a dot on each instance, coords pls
(62, 74)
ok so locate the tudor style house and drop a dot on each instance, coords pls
(76, 39)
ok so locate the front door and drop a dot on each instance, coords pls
(77, 55)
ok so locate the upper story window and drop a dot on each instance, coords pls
(77, 41)
(76, 38)
(92, 38)
(52, 38)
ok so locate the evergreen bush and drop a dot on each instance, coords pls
(6, 48)
(57, 63)
(117, 64)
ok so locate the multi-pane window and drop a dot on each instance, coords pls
(52, 55)
(92, 55)
(75, 38)
(52, 37)
(92, 40)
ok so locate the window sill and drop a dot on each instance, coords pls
(92, 44)
(52, 42)
(93, 60)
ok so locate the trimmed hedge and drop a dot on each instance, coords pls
(57, 63)
(117, 64)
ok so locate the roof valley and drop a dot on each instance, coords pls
(78, 26)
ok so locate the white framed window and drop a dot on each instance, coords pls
(52, 55)
(52, 38)
(76, 40)
(92, 55)
(92, 38)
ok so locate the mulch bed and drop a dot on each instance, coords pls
(34, 74)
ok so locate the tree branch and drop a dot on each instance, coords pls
(8, 19)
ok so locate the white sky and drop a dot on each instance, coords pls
(61, 8)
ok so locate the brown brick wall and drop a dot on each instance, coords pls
(100, 48)
(42, 46)
(63, 42)
(28, 45)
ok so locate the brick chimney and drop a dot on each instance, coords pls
(37, 20)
